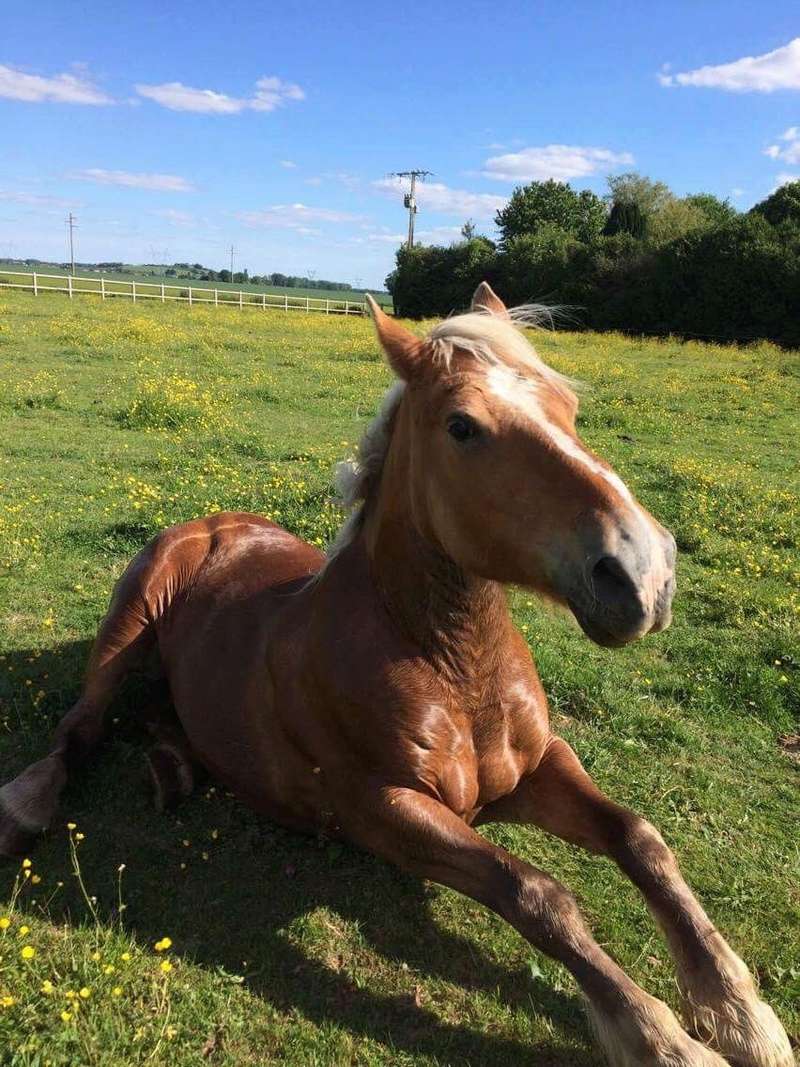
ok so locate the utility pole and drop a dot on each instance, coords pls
(71, 221)
(409, 200)
(233, 250)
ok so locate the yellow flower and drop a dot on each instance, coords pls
(166, 966)
(71, 825)
(47, 987)
(26, 864)
(116, 991)
(125, 956)
(5, 922)
(66, 1016)
(85, 992)
(109, 968)
(79, 836)
(28, 952)
(24, 930)
(7, 1001)
(163, 944)
(35, 878)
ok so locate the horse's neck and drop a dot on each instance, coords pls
(458, 621)
(451, 615)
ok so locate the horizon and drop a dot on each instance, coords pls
(283, 149)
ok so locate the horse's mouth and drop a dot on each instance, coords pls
(601, 629)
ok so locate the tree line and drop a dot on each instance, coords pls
(640, 260)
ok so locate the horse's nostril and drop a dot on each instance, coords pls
(610, 581)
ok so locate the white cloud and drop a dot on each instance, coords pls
(176, 218)
(737, 192)
(385, 238)
(270, 93)
(434, 196)
(288, 164)
(167, 183)
(559, 161)
(60, 89)
(789, 151)
(779, 69)
(35, 200)
(784, 179)
(293, 217)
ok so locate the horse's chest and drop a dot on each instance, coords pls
(489, 752)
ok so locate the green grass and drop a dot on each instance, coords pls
(150, 283)
(117, 420)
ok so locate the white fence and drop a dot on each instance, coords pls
(107, 288)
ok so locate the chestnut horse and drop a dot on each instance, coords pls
(383, 693)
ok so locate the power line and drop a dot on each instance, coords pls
(409, 200)
(71, 222)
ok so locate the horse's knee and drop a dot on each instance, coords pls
(638, 842)
(543, 909)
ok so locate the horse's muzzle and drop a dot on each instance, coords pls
(626, 596)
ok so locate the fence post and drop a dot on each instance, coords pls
(69, 285)
(347, 307)
(241, 304)
(163, 295)
(216, 297)
(327, 307)
(264, 301)
(285, 301)
(133, 291)
(190, 296)
(103, 288)
(35, 287)
(308, 308)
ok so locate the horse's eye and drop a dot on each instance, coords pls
(462, 427)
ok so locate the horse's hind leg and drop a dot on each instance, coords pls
(173, 770)
(29, 802)
(721, 1003)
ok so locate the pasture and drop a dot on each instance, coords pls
(117, 420)
(149, 284)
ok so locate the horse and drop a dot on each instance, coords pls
(381, 693)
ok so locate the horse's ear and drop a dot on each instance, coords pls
(486, 299)
(403, 349)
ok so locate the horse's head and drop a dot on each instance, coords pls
(504, 485)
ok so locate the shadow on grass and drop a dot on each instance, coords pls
(249, 908)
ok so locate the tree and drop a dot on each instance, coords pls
(468, 231)
(716, 211)
(224, 275)
(781, 206)
(675, 219)
(634, 188)
(626, 217)
(581, 215)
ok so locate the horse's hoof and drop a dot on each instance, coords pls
(171, 775)
(746, 1032)
(15, 839)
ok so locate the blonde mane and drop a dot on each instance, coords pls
(496, 340)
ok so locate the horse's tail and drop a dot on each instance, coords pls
(124, 640)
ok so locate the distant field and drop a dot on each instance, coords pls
(154, 281)
(116, 421)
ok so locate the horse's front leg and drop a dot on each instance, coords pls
(421, 835)
(720, 999)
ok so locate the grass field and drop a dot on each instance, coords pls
(117, 420)
(151, 283)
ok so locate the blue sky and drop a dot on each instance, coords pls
(173, 130)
